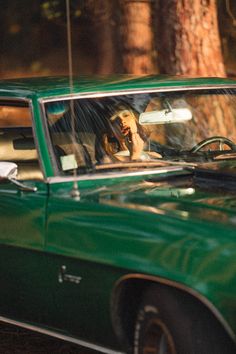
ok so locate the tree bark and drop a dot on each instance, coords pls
(137, 37)
(189, 42)
(103, 25)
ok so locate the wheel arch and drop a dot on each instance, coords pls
(127, 295)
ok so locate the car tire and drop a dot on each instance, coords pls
(171, 322)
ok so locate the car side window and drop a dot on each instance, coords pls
(17, 141)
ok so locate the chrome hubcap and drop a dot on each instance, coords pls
(158, 339)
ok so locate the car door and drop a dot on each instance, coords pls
(81, 284)
(25, 291)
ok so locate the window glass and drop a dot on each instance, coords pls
(17, 142)
(91, 134)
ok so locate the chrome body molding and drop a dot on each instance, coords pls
(173, 284)
(73, 340)
(107, 175)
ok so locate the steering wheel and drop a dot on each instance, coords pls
(214, 139)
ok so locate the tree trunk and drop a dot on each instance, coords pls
(189, 42)
(137, 37)
(103, 28)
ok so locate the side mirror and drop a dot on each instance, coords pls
(8, 170)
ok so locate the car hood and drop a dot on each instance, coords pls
(208, 193)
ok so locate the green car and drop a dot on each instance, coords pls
(118, 212)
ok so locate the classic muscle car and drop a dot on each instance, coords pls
(118, 212)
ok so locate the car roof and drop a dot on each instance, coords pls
(48, 87)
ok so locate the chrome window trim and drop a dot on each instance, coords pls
(42, 102)
(66, 338)
(132, 91)
(30, 103)
(36, 141)
(21, 99)
(107, 175)
(48, 139)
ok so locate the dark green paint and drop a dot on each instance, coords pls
(57, 86)
(178, 238)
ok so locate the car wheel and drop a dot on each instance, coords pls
(171, 322)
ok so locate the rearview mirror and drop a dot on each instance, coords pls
(165, 116)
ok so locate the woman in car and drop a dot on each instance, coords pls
(126, 139)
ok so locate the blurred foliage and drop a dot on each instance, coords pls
(56, 9)
(52, 10)
(33, 35)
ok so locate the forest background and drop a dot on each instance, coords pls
(187, 37)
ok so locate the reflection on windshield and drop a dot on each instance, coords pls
(188, 126)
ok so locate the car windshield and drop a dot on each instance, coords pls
(142, 129)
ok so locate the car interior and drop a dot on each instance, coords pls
(17, 141)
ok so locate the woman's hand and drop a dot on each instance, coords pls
(136, 146)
